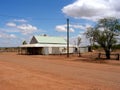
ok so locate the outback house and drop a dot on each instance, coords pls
(46, 45)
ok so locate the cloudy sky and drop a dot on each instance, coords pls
(21, 19)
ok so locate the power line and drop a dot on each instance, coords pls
(33, 18)
(3, 15)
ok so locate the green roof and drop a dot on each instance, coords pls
(52, 40)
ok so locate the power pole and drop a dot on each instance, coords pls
(67, 37)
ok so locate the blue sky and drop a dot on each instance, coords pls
(21, 19)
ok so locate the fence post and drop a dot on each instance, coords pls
(118, 57)
(99, 55)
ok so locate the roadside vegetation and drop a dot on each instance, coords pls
(105, 34)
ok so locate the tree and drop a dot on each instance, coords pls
(105, 33)
(24, 42)
(78, 44)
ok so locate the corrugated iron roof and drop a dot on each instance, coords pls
(52, 40)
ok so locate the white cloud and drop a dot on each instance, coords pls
(63, 28)
(93, 9)
(26, 28)
(7, 36)
(77, 26)
(11, 24)
(23, 28)
(12, 36)
(20, 20)
(12, 33)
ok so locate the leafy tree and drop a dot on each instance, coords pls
(105, 33)
(24, 42)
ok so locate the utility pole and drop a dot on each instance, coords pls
(67, 37)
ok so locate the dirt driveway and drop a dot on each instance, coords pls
(22, 72)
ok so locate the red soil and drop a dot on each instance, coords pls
(23, 72)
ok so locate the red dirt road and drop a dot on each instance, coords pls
(21, 72)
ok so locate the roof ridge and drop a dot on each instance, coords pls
(48, 36)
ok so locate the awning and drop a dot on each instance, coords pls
(46, 45)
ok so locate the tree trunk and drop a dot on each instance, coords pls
(79, 54)
(107, 54)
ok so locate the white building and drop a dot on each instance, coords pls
(46, 45)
